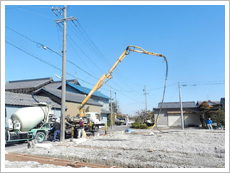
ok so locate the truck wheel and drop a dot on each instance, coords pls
(40, 137)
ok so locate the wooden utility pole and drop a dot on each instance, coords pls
(145, 99)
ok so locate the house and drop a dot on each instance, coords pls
(75, 94)
(73, 100)
(170, 115)
(26, 86)
(97, 96)
(74, 87)
(15, 101)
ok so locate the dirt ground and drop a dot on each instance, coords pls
(191, 148)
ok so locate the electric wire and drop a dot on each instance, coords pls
(81, 38)
(34, 13)
(90, 40)
(36, 57)
(85, 53)
(59, 69)
(40, 44)
(90, 58)
(51, 50)
(100, 54)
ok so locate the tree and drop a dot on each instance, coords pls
(114, 107)
(215, 112)
(109, 119)
(219, 116)
(204, 108)
(142, 116)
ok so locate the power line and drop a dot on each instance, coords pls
(99, 52)
(33, 55)
(34, 13)
(90, 40)
(205, 83)
(84, 53)
(40, 44)
(36, 57)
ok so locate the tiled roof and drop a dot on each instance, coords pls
(177, 105)
(70, 96)
(58, 84)
(87, 90)
(27, 99)
(31, 83)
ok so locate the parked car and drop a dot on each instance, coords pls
(120, 121)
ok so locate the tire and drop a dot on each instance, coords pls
(40, 137)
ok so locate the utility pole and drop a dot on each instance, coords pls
(63, 93)
(111, 117)
(145, 99)
(181, 109)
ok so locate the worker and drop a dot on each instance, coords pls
(209, 123)
(56, 129)
(81, 129)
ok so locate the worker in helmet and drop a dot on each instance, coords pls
(56, 129)
(81, 128)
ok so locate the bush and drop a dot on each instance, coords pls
(139, 126)
(143, 126)
(135, 125)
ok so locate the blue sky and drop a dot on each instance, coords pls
(192, 37)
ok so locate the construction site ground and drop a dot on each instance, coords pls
(150, 148)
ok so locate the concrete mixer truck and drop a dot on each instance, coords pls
(29, 123)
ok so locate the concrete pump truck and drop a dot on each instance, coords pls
(89, 119)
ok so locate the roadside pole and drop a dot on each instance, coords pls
(63, 91)
(181, 109)
(111, 117)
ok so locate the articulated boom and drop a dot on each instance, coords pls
(108, 76)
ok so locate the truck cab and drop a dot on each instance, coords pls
(94, 117)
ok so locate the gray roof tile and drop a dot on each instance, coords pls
(31, 83)
(27, 99)
(70, 96)
(177, 105)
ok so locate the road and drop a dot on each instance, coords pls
(115, 128)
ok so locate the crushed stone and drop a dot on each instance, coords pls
(144, 149)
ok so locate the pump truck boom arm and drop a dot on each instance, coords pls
(108, 76)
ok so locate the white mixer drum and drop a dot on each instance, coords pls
(29, 117)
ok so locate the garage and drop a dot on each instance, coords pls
(190, 119)
(174, 120)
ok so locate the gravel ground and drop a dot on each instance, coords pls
(193, 148)
(30, 164)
